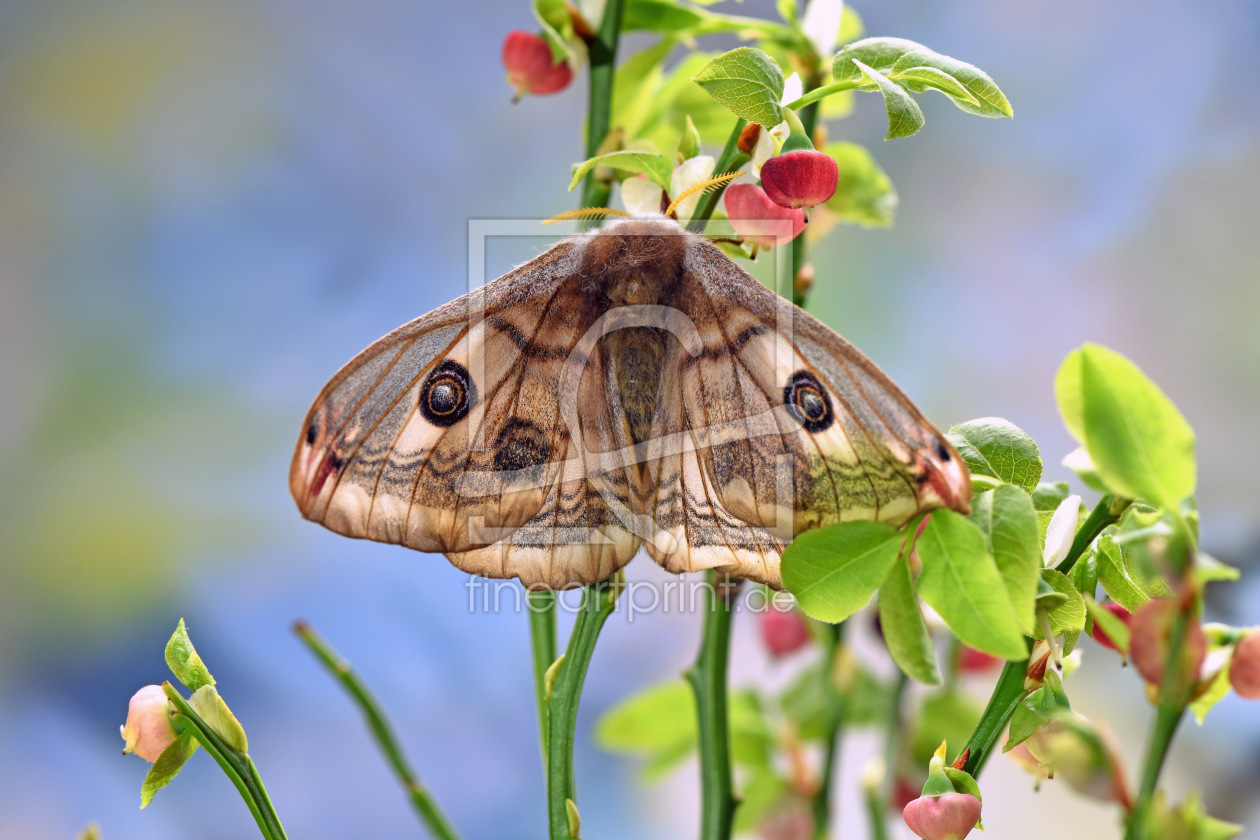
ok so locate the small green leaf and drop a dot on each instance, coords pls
(557, 25)
(894, 56)
(1068, 616)
(1118, 574)
(1210, 569)
(963, 782)
(657, 167)
(1048, 497)
(919, 79)
(962, 583)
(748, 83)
(1009, 522)
(1215, 692)
(864, 194)
(636, 85)
(833, 571)
(215, 713)
(1034, 710)
(182, 659)
(904, 115)
(813, 702)
(167, 766)
(1140, 443)
(1117, 631)
(998, 448)
(905, 632)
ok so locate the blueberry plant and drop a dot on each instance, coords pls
(1019, 583)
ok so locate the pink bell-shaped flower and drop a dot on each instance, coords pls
(759, 220)
(1244, 669)
(530, 67)
(148, 730)
(783, 631)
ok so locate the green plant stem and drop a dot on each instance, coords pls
(603, 61)
(809, 119)
(877, 800)
(1006, 697)
(1175, 693)
(237, 766)
(729, 161)
(708, 681)
(1009, 690)
(818, 94)
(598, 601)
(1106, 512)
(542, 637)
(821, 804)
(381, 730)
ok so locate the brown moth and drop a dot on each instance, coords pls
(630, 387)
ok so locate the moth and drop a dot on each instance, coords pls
(631, 387)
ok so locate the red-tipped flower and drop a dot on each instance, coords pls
(802, 178)
(1119, 612)
(783, 632)
(1150, 633)
(1244, 670)
(530, 67)
(759, 220)
(947, 817)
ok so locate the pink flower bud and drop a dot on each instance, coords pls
(1150, 632)
(530, 67)
(1119, 612)
(148, 730)
(803, 178)
(754, 217)
(947, 817)
(1244, 670)
(783, 632)
(972, 661)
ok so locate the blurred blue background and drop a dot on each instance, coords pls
(207, 207)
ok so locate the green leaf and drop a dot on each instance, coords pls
(894, 56)
(1211, 569)
(751, 738)
(657, 167)
(167, 766)
(1117, 631)
(216, 715)
(1067, 393)
(851, 26)
(945, 715)
(636, 85)
(962, 583)
(1009, 522)
(653, 720)
(747, 83)
(557, 26)
(1216, 690)
(1069, 616)
(1118, 574)
(904, 116)
(1140, 443)
(761, 792)
(833, 571)
(661, 16)
(905, 632)
(998, 448)
(1048, 497)
(864, 194)
(963, 782)
(182, 659)
(813, 701)
(919, 79)
(1033, 711)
